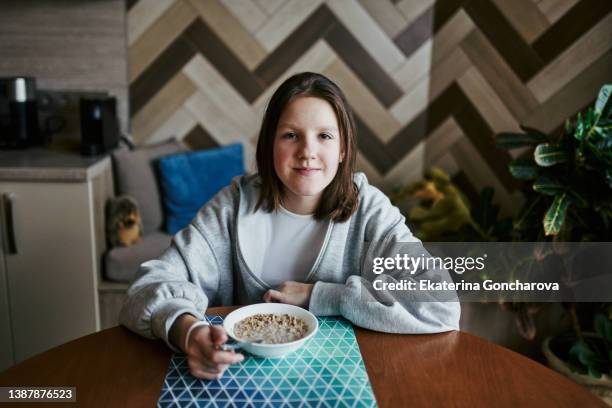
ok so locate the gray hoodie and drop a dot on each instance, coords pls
(208, 262)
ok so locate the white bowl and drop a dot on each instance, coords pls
(271, 350)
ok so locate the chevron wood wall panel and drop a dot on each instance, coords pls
(430, 81)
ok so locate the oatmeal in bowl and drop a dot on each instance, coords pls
(271, 329)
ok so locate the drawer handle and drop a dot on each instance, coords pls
(7, 199)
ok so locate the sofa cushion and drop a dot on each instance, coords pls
(135, 176)
(121, 263)
(189, 180)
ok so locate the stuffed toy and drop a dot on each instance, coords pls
(123, 222)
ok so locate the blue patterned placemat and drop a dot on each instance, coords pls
(327, 371)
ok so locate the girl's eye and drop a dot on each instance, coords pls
(289, 135)
(326, 136)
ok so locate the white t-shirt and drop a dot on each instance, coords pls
(294, 243)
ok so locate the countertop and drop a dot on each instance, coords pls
(42, 164)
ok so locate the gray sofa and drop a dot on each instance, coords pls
(135, 175)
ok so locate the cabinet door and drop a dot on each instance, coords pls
(6, 341)
(51, 278)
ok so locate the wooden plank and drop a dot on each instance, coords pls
(574, 96)
(588, 49)
(159, 72)
(525, 17)
(517, 54)
(480, 175)
(293, 47)
(161, 106)
(488, 103)
(437, 112)
(420, 62)
(200, 36)
(163, 32)
(366, 67)
(369, 35)
(413, 9)
(448, 164)
(451, 35)
(143, 14)
(386, 16)
(481, 136)
(250, 15)
(177, 126)
(517, 97)
(440, 140)
(407, 170)
(269, 6)
(555, 9)
(198, 139)
(430, 87)
(372, 148)
(227, 27)
(315, 59)
(363, 165)
(416, 67)
(417, 33)
(284, 22)
(578, 20)
(219, 123)
(373, 113)
(210, 82)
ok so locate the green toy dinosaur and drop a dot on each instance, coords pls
(443, 207)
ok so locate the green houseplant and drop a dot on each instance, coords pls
(567, 184)
(568, 181)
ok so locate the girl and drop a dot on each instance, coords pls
(295, 233)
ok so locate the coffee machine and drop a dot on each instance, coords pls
(18, 113)
(99, 125)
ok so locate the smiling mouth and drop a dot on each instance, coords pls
(306, 171)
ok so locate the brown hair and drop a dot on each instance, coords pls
(340, 197)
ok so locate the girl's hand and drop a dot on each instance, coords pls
(204, 358)
(290, 292)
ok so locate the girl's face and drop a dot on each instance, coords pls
(307, 151)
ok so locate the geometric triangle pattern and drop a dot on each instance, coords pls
(327, 371)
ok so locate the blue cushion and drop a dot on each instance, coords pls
(189, 180)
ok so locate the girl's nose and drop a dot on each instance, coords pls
(307, 149)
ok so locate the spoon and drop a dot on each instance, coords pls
(233, 344)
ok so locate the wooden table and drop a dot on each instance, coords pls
(117, 368)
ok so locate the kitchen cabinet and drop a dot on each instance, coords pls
(52, 212)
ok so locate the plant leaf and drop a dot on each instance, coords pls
(523, 168)
(511, 140)
(577, 199)
(583, 353)
(594, 372)
(603, 106)
(582, 125)
(535, 133)
(600, 324)
(555, 216)
(548, 154)
(548, 186)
